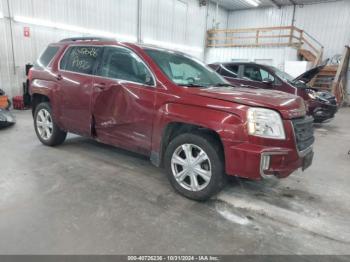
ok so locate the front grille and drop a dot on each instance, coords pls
(304, 132)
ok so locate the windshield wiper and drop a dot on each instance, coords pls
(192, 85)
(221, 84)
(299, 83)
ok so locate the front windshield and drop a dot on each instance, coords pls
(283, 75)
(185, 71)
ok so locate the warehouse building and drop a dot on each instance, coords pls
(175, 127)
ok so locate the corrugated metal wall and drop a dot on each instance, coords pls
(275, 56)
(261, 17)
(329, 23)
(179, 22)
(326, 22)
(7, 76)
(217, 18)
(107, 15)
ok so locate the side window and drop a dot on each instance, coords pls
(47, 56)
(80, 59)
(252, 73)
(266, 76)
(229, 71)
(121, 63)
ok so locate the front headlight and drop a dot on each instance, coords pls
(266, 123)
(311, 93)
(312, 96)
(317, 96)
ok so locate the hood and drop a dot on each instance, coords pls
(288, 105)
(307, 76)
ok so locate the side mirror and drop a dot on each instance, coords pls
(147, 79)
(268, 81)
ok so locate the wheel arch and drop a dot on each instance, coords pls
(176, 118)
(176, 128)
(37, 99)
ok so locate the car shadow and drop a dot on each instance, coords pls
(101, 148)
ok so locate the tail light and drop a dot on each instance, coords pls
(30, 75)
(29, 80)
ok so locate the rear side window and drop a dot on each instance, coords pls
(47, 56)
(121, 63)
(257, 74)
(229, 71)
(252, 73)
(266, 75)
(80, 59)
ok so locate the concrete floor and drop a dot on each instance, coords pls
(88, 198)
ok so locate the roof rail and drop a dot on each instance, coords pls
(89, 38)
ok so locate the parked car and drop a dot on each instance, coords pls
(170, 107)
(6, 118)
(321, 105)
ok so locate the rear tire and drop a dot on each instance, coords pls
(195, 166)
(46, 129)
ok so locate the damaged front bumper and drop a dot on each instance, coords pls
(324, 112)
(256, 162)
(6, 118)
(261, 157)
(324, 107)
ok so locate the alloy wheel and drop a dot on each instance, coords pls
(191, 167)
(44, 124)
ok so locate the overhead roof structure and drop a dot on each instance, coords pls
(244, 4)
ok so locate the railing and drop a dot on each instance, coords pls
(265, 37)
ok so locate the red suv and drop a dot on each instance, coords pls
(170, 107)
(322, 105)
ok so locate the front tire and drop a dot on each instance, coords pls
(46, 129)
(195, 166)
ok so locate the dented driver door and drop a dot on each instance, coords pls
(123, 100)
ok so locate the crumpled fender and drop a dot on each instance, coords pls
(227, 125)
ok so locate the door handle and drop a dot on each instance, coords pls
(101, 86)
(242, 85)
(59, 77)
